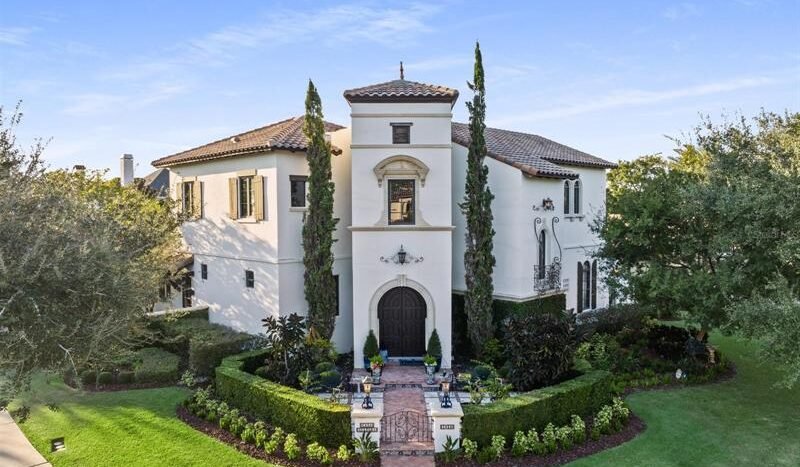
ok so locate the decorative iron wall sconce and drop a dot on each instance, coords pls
(402, 257)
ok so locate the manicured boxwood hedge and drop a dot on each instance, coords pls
(311, 418)
(535, 409)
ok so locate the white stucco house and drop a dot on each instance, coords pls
(399, 172)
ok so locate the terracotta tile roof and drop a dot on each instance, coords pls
(531, 154)
(401, 90)
(284, 135)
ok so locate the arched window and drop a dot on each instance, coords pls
(577, 198)
(587, 285)
(566, 196)
(542, 254)
(579, 281)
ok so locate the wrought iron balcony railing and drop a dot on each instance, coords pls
(547, 278)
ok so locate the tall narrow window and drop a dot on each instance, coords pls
(566, 196)
(401, 202)
(594, 284)
(579, 280)
(542, 253)
(577, 198)
(298, 190)
(336, 282)
(587, 285)
(203, 271)
(187, 198)
(401, 133)
(246, 197)
(249, 279)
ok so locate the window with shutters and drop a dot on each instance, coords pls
(297, 184)
(246, 197)
(187, 198)
(401, 133)
(401, 202)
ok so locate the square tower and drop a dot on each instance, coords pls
(402, 223)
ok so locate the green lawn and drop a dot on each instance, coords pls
(121, 428)
(744, 421)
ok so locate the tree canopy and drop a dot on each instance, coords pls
(714, 232)
(81, 261)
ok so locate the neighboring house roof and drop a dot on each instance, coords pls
(401, 90)
(284, 135)
(532, 154)
(157, 182)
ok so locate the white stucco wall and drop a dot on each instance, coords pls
(271, 248)
(430, 238)
(515, 246)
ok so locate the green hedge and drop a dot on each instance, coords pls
(154, 365)
(582, 396)
(201, 345)
(310, 417)
(500, 310)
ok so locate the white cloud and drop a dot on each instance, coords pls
(15, 35)
(636, 97)
(99, 103)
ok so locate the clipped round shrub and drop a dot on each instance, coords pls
(322, 367)
(88, 377)
(330, 379)
(482, 372)
(105, 377)
(261, 371)
(539, 347)
(125, 377)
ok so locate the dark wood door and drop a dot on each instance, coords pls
(401, 313)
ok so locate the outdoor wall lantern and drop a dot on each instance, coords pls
(402, 257)
(446, 403)
(367, 403)
(547, 204)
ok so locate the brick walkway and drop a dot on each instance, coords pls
(400, 399)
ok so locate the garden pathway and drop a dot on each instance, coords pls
(15, 449)
(403, 392)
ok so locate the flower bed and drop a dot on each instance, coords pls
(535, 409)
(307, 415)
(261, 440)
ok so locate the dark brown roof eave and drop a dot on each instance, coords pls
(402, 99)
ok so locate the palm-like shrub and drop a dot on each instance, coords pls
(539, 348)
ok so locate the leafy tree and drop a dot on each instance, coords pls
(477, 208)
(81, 261)
(713, 233)
(288, 353)
(320, 287)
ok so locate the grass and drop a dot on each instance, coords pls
(137, 427)
(744, 421)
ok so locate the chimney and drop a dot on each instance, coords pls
(126, 169)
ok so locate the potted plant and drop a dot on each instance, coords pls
(435, 348)
(370, 348)
(430, 368)
(376, 364)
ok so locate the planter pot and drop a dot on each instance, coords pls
(430, 371)
(376, 375)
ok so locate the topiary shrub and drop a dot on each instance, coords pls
(324, 366)
(105, 377)
(371, 345)
(435, 345)
(88, 377)
(539, 348)
(330, 379)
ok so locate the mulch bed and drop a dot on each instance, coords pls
(214, 431)
(635, 426)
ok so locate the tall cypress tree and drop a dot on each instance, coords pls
(320, 287)
(477, 208)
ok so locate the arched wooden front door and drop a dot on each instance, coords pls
(401, 313)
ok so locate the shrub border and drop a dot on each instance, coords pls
(535, 409)
(295, 411)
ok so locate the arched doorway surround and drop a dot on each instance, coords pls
(429, 314)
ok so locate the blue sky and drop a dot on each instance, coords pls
(610, 78)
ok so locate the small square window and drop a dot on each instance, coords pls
(249, 279)
(298, 190)
(203, 271)
(401, 133)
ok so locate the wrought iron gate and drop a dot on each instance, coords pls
(405, 426)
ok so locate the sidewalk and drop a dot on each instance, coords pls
(15, 449)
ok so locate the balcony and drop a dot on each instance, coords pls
(547, 278)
